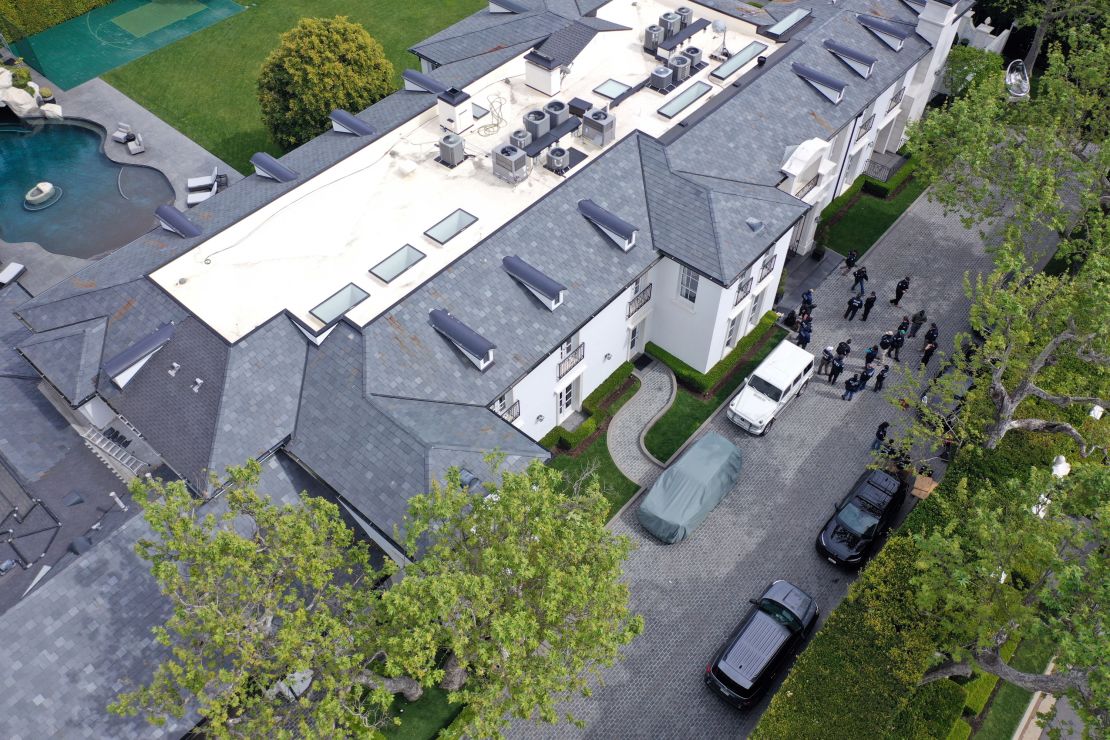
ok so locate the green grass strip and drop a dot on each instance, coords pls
(1010, 702)
(869, 218)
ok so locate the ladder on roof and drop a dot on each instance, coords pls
(100, 443)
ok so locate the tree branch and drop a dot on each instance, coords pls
(1065, 401)
(1058, 427)
(1056, 684)
(407, 687)
(946, 670)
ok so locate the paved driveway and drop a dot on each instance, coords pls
(692, 594)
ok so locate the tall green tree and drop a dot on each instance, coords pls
(266, 636)
(1035, 174)
(1046, 16)
(280, 629)
(519, 585)
(1029, 558)
(320, 65)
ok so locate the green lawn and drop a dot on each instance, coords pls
(614, 486)
(869, 219)
(690, 411)
(423, 718)
(1010, 702)
(204, 85)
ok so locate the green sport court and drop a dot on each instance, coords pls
(107, 37)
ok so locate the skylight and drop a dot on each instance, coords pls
(330, 310)
(738, 60)
(889, 33)
(612, 89)
(684, 99)
(450, 227)
(860, 63)
(830, 87)
(477, 348)
(396, 263)
(787, 23)
(616, 228)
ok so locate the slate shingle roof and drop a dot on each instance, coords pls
(406, 357)
(69, 356)
(563, 46)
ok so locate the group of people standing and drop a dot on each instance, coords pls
(890, 344)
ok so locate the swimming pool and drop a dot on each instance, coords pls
(104, 205)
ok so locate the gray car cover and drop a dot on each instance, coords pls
(690, 488)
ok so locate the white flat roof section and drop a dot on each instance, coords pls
(335, 228)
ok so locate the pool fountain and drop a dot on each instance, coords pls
(105, 204)
(41, 197)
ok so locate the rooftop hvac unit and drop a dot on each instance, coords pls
(452, 150)
(671, 24)
(536, 123)
(686, 15)
(695, 55)
(653, 36)
(558, 158)
(680, 63)
(510, 164)
(520, 138)
(661, 78)
(599, 127)
(557, 112)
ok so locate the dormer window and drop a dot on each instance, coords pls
(622, 233)
(473, 345)
(550, 292)
(860, 63)
(891, 34)
(829, 86)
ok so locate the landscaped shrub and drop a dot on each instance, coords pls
(860, 669)
(931, 712)
(20, 76)
(881, 189)
(704, 382)
(567, 440)
(20, 18)
(320, 65)
(960, 731)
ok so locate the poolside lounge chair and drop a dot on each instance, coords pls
(11, 273)
(202, 183)
(122, 130)
(136, 146)
(201, 195)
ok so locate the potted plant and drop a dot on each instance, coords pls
(47, 95)
(818, 252)
(21, 77)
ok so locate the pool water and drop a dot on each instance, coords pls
(103, 205)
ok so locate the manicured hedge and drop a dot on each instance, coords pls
(704, 382)
(960, 731)
(568, 440)
(930, 713)
(881, 189)
(24, 18)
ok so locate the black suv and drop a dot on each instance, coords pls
(773, 630)
(867, 511)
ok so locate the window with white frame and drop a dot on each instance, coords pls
(733, 330)
(566, 349)
(500, 405)
(756, 314)
(687, 284)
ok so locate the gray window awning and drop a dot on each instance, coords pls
(174, 220)
(267, 165)
(138, 351)
(533, 278)
(347, 123)
(462, 336)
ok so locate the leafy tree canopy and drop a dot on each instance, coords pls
(1028, 558)
(281, 626)
(320, 65)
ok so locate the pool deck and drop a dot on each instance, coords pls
(173, 153)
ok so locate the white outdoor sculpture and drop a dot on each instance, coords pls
(5, 79)
(51, 110)
(20, 101)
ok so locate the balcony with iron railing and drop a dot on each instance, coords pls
(895, 100)
(512, 413)
(568, 363)
(804, 190)
(768, 268)
(639, 300)
(743, 291)
(865, 127)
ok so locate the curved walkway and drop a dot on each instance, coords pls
(656, 394)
